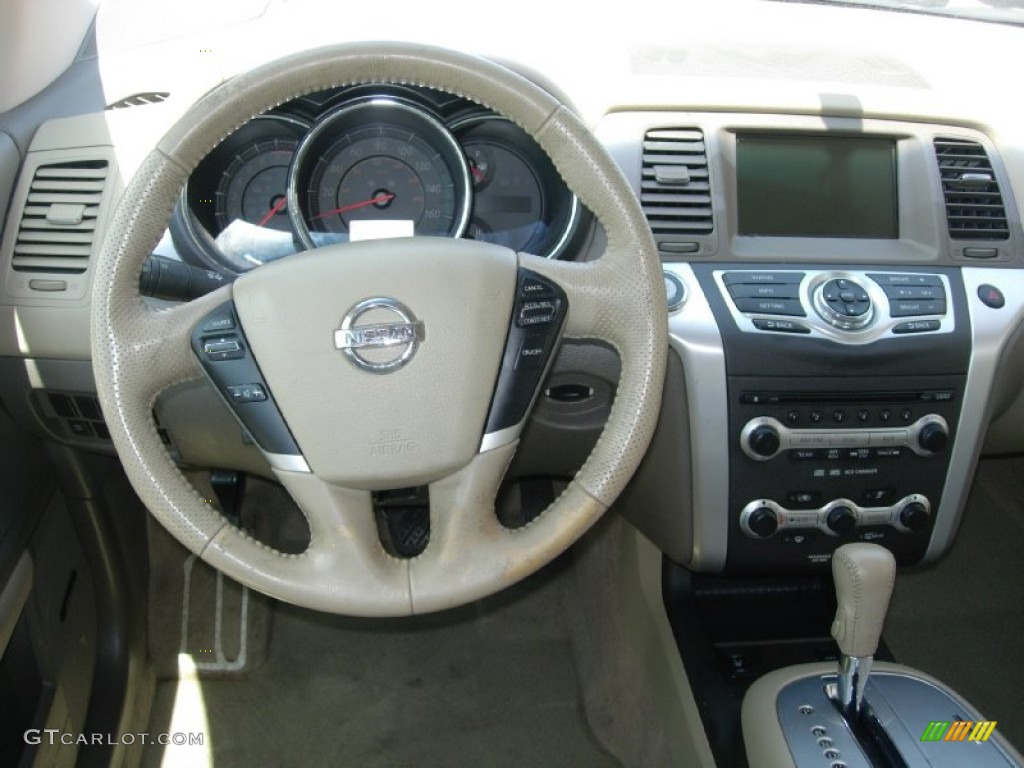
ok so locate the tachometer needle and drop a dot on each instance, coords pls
(354, 206)
(281, 202)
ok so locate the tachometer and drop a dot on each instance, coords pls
(378, 168)
(236, 205)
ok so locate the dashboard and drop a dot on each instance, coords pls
(842, 262)
(368, 162)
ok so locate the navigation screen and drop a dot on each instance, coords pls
(816, 186)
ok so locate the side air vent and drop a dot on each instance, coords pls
(58, 225)
(974, 204)
(675, 188)
(139, 100)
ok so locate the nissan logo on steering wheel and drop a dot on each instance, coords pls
(381, 345)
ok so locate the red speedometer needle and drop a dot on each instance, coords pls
(354, 206)
(476, 172)
(281, 201)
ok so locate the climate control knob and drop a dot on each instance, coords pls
(914, 516)
(763, 522)
(764, 441)
(933, 437)
(841, 520)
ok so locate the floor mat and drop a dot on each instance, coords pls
(493, 684)
(962, 620)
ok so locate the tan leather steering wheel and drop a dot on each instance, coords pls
(434, 408)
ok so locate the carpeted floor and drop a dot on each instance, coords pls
(962, 620)
(490, 685)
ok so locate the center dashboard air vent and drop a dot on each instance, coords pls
(675, 189)
(974, 203)
(58, 223)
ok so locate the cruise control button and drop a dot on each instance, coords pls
(781, 326)
(532, 288)
(531, 352)
(537, 312)
(917, 326)
(791, 307)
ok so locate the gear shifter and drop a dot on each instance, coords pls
(864, 576)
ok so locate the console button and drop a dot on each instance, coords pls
(917, 326)
(887, 278)
(991, 296)
(914, 292)
(791, 307)
(782, 326)
(879, 497)
(765, 291)
(863, 414)
(798, 538)
(933, 437)
(900, 308)
(888, 453)
(731, 278)
(803, 499)
(806, 454)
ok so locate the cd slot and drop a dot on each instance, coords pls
(845, 398)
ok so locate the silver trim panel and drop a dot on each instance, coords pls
(991, 329)
(286, 462)
(694, 336)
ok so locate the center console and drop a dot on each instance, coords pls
(844, 390)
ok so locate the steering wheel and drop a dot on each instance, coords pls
(421, 423)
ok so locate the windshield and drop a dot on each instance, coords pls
(1002, 11)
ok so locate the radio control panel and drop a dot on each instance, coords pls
(816, 467)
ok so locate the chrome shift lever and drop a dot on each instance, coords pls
(864, 576)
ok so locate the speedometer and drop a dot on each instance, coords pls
(378, 168)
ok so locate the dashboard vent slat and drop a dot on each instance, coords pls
(974, 202)
(58, 223)
(675, 189)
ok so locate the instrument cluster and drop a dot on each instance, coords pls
(372, 162)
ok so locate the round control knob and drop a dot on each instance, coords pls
(763, 522)
(841, 520)
(843, 304)
(914, 516)
(764, 441)
(933, 437)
